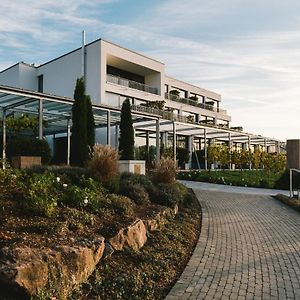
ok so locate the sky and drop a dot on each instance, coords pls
(246, 50)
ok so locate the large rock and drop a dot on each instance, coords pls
(134, 236)
(164, 215)
(29, 270)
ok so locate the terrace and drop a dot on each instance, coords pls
(176, 98)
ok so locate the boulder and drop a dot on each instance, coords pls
(30, 270)
(134, 236)
(160, 218)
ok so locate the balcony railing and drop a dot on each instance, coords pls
(131, 84)
(194, 103)
(168, 115)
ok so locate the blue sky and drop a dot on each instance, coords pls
(246, 50)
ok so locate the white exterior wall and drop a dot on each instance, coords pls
(10, 77)
(60, 75)
(172, 82)
(28, 77)
(93, 70)
(157, 80)
(21, 76)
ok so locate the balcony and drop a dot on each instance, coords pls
(169, 115)
(131, 84)
(194, 103)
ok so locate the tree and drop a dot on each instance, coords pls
(256, 159)
(126, 140)
(224, 155)
(79, 148)
(236, 158)
(213, 153)
(90, 126)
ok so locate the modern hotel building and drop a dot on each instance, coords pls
(191, 116)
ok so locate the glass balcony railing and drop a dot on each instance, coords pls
(131, 84)
(194, 103)
(169, 115)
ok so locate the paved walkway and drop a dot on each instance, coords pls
(249, 248)
(232, 189)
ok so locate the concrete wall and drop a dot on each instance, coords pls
(21, 75)
(28, 77)
(60, 75)
(172, 82)
(154, 77)
(293, 154)
(10, 77)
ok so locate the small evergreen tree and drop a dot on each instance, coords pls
(79, 142)
(90, 123)
(126, 140)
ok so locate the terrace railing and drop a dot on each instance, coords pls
(194, 103)
(131, 84)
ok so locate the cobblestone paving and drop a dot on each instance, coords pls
(249, 248)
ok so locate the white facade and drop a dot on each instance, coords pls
(113, 73)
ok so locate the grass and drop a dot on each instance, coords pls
(151, 272)
(292, 202)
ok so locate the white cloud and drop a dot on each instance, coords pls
(235, 47)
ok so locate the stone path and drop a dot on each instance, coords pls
(249, 248)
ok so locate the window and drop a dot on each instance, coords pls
(41, 83)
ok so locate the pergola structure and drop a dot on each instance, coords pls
(56, 111)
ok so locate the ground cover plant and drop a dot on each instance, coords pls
(292, 202)
(248, 178)
(150, 272)
(48, 206)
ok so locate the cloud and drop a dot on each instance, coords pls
(248, 51)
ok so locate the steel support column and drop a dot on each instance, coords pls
(265, 145)
(205, 149)
(40, 119)
(108, 132)
(147, 141)
(157, 141)
(190, 147)
(68, 141)
(4, 140)
(174, 141)
(117, 137)
(249, 141)
(229, 148)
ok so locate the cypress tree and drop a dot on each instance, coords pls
(90, 126)
(126, 140)
(79, 141)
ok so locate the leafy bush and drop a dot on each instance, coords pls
(170, 194)
(10, 183)
(183, 156)
(165, 171)
(70, 175)
(283, 182)
(121, 205)
(135, 192)
(129, 180)
(29, 146)
(86, 198)
(253, 178)
(42, 194)
(104, 162)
